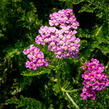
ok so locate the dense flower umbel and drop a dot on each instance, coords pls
(36, 58)
(61, 41)
(94, 79)
(64, 19)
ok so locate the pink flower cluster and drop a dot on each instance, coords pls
(94, 79)
(36, 58)
(61, 41)
(63, 18)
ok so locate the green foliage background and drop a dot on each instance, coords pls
(59, 85)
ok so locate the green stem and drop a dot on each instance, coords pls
(77, 107)
(58, 73)
(75, 90)
(99, 29)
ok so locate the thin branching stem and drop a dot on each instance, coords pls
(64, 90)
(77, 107)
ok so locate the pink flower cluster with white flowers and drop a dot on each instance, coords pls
(36, 58)
(94, 79)
(61, 41)
(64, 19)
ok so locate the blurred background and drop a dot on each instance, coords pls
(26, 89)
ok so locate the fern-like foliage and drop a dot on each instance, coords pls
(59, 85)
(26, 103)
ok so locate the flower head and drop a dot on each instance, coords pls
(94, 79)
(36, 58)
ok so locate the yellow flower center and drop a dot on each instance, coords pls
(39, 55)
(68, 37)
(86, 76)
(99, 75)
(52, 43)
(91, 76)
(65, 48)
(54, 21)
(74, 24)
(73, 48)
(39, 61)
(46, 40)
(59, 53)
(87, 82)
(99, 68)
(61, 42)
(61, 36)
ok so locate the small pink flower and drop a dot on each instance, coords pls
(100, 68)
(84, 95)
(85, 75)
(40, 55)
(26, 51)
(95, 86)
(87, 83)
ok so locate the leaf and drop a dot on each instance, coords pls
(26, 103)
(77, 1)
(104, 48)
(86, 8)
(35, 73)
